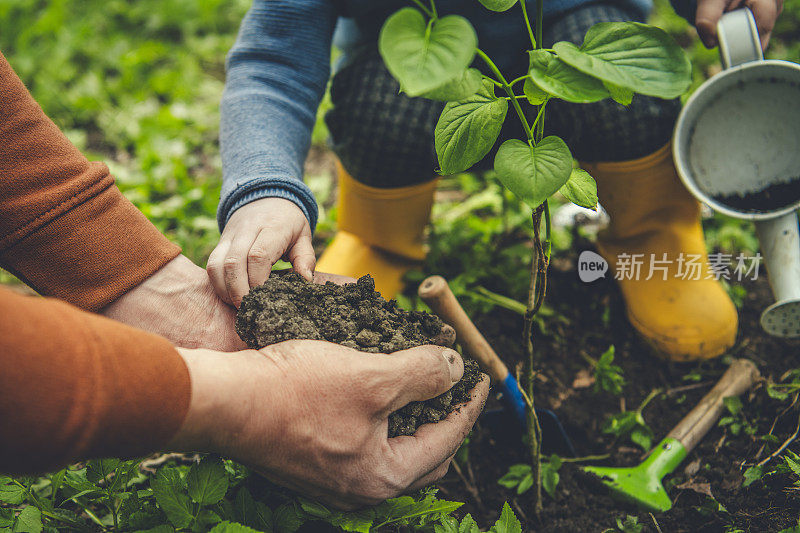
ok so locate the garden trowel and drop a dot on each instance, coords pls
(436, 293)
(641, 485)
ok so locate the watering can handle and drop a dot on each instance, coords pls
(738, 38)
(435, 292)
(739, 377)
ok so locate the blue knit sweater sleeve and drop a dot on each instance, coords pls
(276, 75)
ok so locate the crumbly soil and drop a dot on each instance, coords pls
(773, 197)
(590, 317)
(355, 315)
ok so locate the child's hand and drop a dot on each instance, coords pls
(256, 236)
(709, 12)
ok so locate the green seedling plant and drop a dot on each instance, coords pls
(631, 425)
(736, 421)
(432, 56)
(629, 525)
(520, 477)
(608, 376)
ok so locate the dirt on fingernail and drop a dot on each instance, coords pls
(287, 307)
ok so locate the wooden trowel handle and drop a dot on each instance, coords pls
(739, 377)
(435, 292)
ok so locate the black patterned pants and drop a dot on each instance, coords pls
(385, 139)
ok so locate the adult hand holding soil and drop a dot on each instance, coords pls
(313, 416)
(178, 303)
(709, 12)
(256, 236)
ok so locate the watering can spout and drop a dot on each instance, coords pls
(780, 244)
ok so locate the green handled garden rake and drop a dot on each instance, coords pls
(641, 484)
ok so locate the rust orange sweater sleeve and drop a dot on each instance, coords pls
(65, 228)
(74, 385)
(77, 385)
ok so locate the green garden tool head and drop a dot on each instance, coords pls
(641, 484)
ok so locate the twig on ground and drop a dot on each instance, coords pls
(684, 388)
(519, 510)
(655, 523)
(783, 446)
(775, 422)
(471, 488)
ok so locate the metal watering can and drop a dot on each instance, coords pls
(737, 148)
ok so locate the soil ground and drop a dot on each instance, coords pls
(593, 319)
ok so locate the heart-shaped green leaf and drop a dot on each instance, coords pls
(465, 85)
(425, 55)
(533, 173)
(637, 56)
(468, 129)
(580, 189)
(498, 5)
(561, 80)
(534, 94)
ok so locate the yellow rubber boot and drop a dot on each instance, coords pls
(380, 232)
(685, 316)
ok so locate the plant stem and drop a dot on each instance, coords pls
(535, 297)
(433, 8)
(528, 22)
(423, 8)
(509, 91)
(517, 80)
(539, 30)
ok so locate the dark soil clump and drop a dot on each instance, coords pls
(355, 315)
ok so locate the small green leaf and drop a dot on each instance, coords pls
(525, 484)
(357, 521)
(498, 5)
(794, 465)
(468, 129)
(12, 494)
(561, 80)
(581, 189)
(621, 95)
(642, 436)
(169, 493)
(251, 513)
(424, 55)
(752, 474)
(29, 520)
(463, 86)
(733, 404)
(533, 173)
(468, 525)
(550, 475)
(99, 469)
(315, 509)
(447, 524)
(637, 56)
(207, 481)
(515, 476)
(534, 94)
(507, 523)
(232, 527)
(287, 519)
